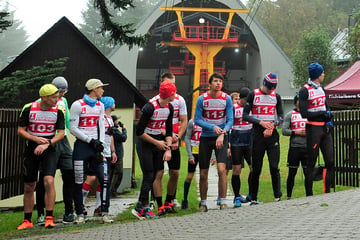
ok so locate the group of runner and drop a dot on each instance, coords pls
(239, 127)
(43, 124)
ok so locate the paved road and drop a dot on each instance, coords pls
(330, 216)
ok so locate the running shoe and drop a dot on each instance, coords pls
(288, 198)
(152, 205)
(176, 203)
(41, 220)
(139, 213)
(184, 205)
(49, 222)
(223, 206)
(169, 207)
(161, 211)
(80, 219)
(68, 218)
(25, 224)
(106, 219)
(237, 202)
(97, 212)
(218, 201)
(148, 214)
(254, 202)
(248, 197)
(203, 208)
(244, 199)
(277, 199)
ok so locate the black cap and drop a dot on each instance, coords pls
(244, 92)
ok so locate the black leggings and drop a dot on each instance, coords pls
(150, 162)
(320, 137)
(272, 147)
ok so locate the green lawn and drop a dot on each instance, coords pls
(9, 221)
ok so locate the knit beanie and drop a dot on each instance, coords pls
(107, 101)
(244, 92)
(315, 70)
(167, 89)
(270, 81)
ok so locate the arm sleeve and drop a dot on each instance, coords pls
(187, 138)
(24, 116)
(183, 109)
(169, 125)
(286, 131)
(147, 112)
(67, 114)
(75, 111)
(102, 124)
(229, 114)
(247, 109)
(60, 122)
(198, 116)
(279, 109)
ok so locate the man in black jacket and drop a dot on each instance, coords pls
(117, 168)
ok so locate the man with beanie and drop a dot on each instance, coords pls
(240, 145)
(153, 147)
(110, 155)
(314, 107)
(266, 113)
(214, 114)
(63, 162)
(116, 172)
(294, 126)
(87, 125)
(42, 124)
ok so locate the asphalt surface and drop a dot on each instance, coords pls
(326, 216)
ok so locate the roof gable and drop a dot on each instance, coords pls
(63, 39)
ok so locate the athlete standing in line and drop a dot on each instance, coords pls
(42, 124)
(154, 148)
(314, 107)
(294, 126)
(63, 162)
(240, 145)
(214, 113)
(266, 113)
(87, 125)
(179, 128)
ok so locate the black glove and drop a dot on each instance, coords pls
(121, 124)
(110, 131)
(97, 145)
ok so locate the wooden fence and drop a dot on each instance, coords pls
(346, 147)
(11, 154)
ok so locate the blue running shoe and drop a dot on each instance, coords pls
(243, 199)
(237, 202)
(218, 201)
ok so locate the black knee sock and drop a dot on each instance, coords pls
(290, 181)
(158, 201)
(235, 182)
(28, 216)
(186, 190)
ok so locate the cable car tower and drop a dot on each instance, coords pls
(204, 42)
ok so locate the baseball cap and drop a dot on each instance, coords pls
(167, 89)
(48, 90)
(94, 83)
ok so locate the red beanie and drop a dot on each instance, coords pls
(167, 89)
